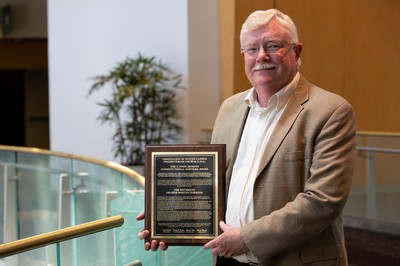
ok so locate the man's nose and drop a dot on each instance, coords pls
(262, 54)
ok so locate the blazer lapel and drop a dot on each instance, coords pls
(289, 116)
(235, 134)
(239, 121)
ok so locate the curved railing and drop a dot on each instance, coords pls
(42, 191)
(112, 165)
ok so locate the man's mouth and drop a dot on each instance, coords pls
(264, 67)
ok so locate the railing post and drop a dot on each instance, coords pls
(370, 188)
(65, 191)
(10, 205)
(64, 201)
(4, 206)
(109, 196)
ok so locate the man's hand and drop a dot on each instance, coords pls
(229, 244)
(145, 233)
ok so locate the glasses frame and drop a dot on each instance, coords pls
(269, 48)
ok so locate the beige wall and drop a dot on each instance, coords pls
(350, 47)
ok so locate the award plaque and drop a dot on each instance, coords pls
(184, 193)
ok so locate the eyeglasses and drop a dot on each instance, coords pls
(269, 48)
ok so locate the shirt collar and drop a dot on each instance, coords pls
(278, 100)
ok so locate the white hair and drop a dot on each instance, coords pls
(263, 17)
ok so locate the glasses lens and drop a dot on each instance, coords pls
(269, 48)
(252, 51)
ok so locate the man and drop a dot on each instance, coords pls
(290, 155)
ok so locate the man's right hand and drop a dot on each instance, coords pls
(145, 233)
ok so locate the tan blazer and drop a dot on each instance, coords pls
(304, 180)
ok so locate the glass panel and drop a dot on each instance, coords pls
(128, 246)
(375, 190)
(187, 255)
(37, 195)
(40, 256)
(86, 191)
(94, 249)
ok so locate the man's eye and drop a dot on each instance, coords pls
(252, 50)
(273, 47)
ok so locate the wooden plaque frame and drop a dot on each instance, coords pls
(184, 192)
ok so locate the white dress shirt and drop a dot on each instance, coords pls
(259, 126)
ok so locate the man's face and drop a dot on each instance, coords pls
(271, 69)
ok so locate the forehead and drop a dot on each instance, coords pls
(273, 31)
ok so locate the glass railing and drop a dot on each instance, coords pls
(43, 191)
(37, 241)
(375, 194)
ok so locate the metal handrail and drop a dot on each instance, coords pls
(374, 149)
(125, 170)
(378, 134)
(29, 243)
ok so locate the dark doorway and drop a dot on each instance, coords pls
(12, 107)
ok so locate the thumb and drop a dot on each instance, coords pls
(223, 226)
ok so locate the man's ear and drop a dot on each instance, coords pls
(298, 48)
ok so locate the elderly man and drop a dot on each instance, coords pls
(290, 156)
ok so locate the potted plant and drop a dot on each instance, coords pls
(142, 106)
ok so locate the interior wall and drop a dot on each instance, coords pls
(372, 67)
(350, 48)
(323, 42)
(353, 51)
(101, 34)
(227, 47)
(204, 72)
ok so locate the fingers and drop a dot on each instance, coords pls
(223, 226)
(215, 249)
(224, 244)
(163, 246)
(209, 244)
(147, 246)
(213, 245)
(143, 234)
(140, 216)
(154, 245)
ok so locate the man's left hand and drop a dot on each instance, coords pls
(229, 244)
